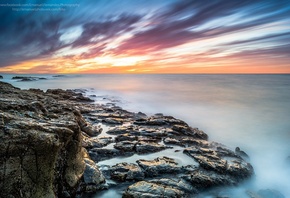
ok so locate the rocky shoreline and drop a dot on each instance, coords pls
(51, 144)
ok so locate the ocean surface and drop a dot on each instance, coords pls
(249, 111)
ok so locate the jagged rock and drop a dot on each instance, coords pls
(189, 168)
(93, 179)
(198, 134)
(225, 152)
(160, 165)
(100, 154)
(172, 121)
(126, 146)
(140, 115)
(113, 121)
(134, 131)
(207, 158)
(92, 130)
(126, 171)
(241, 153)
(211, 159)
(149, 147)
(67, 95)
(96, 142)
(156, 120)
(159, 120)
(173, 141)
(178, 183)
(155, 133)
(42, 157)
(114, 115)
(120, 130)
(185, 141)
(49, 128)
(155, 189)
(149, 139)
(1, 77)
(150, 122)
(37, 91)
(189, 131)
(126, 137)
(203, 179)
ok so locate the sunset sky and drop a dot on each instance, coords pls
(145, 36)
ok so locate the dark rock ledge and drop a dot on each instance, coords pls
(41, 153)
(51, 143)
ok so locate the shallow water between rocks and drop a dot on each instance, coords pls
(249, 111)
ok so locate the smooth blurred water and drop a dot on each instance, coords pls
(249, 111)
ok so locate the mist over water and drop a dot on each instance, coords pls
(249, 111)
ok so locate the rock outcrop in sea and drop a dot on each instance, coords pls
(41, 143)
(27, 78)
(52, 142)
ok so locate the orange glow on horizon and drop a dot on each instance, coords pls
(185, 59)
(139, 65)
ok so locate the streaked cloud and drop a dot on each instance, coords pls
(148, 36)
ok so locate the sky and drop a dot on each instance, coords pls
(145, 36)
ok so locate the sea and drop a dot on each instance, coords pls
(247, 111)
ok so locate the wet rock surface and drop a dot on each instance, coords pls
(212, 164)
(158, 166)
(126, 171)
(40, 144)
(93, 179)
(158, 188)
(139, 152)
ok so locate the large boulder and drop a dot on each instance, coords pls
(126, 171)
(204, 179)
(93, 178)
(160, 165)
(168, 188)
(40, 145)
(221, 160)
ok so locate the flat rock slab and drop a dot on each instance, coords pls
(157, 188)
(160, 165)
(143, 147)
(126, 171)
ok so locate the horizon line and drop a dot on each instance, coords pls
(4, 73)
